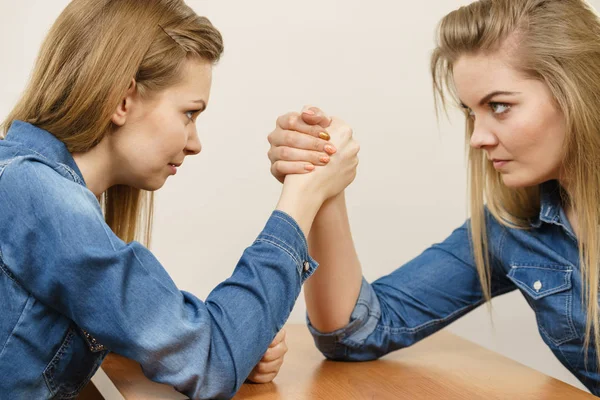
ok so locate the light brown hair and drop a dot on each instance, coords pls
(85, 66)
(556, 42)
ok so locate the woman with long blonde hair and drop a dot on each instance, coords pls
(527, 74)
(109, 114)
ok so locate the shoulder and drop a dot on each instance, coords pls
(31, 184)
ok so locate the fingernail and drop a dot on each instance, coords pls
(324, 136)
(309, 167)
(324, 159)
(308, 111)
(330, 149)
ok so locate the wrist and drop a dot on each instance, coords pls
(302, 203)
(336, 202)
(332, 210)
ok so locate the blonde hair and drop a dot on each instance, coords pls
(85, 66)
(556, 43)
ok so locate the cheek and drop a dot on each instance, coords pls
(550, 137)
(178, 137)
(532, 134)
(519, 137)
(537, 146)
(170, 133)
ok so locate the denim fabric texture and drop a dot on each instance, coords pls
(441, 285)
(71, 291)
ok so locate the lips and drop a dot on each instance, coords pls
(499, 163)
(174, 167)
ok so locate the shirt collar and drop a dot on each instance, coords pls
(44, 144)
(551, 210)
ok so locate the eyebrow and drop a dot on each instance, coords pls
(492, 95)
(202, 104)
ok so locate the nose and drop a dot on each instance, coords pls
(193, 145)
(482, 136)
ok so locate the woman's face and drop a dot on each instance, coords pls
(159, 132)
(517, 122)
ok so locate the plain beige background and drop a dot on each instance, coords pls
(366, 62)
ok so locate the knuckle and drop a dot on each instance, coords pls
(279, 363)
(277, 167)
(288, 139)
(346, 133)
(316, 143)
(276, 367)
(269, 354)
(280, 121)
(270, 377)
(262, 368)
(292, 119)
(259, 379)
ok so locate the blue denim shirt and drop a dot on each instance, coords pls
(71, 291)
(441, 285)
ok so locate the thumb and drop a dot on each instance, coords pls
(315, 116)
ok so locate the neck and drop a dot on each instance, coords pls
(95, 166)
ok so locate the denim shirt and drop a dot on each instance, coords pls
(441, 285)
(71, 291)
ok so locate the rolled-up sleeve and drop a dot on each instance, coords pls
(363, 321)
(419, 298)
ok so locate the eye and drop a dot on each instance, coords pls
(499, 108)
(190, 114)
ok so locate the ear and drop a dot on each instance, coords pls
(123, 110)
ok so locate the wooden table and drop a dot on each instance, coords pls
(443, 366)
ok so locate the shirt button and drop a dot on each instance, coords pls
(537, 286)
(306, 266)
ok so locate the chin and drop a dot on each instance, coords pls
(516, 182)
(152, 185)
(153, 188)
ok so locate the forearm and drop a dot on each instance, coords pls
(332, 291)
(299, 205)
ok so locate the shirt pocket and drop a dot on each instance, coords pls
(73, 365)
(548, 289)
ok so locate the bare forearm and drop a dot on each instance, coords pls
(300, 207)
(332, 291)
